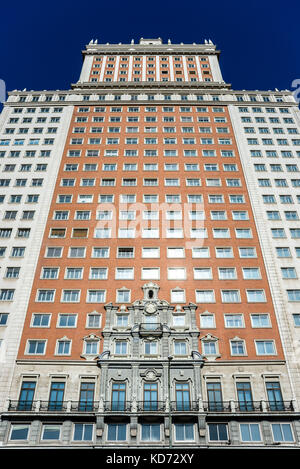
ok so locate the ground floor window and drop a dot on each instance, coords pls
(83, 432)
(19, 432)
(250, 432)
(150, 431)
(116, 431)
(282, 432)
(184, 432)
(218, 432)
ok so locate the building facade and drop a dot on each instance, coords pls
(149, 291)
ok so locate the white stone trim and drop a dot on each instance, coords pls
(86, 68)
(215, 68)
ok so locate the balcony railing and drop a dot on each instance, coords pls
(184, 406)
(53, 406)
(249, 406)
(280, 406)
(149, 406)
(217, 406)
(85, 406)
(120, 406)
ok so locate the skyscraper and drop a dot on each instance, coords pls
(149, 241)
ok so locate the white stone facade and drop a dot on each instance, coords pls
(10, 333)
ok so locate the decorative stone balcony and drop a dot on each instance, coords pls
(153, 329)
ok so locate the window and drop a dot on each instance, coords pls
(288, 272)
(203, 273)
(218, 432)
(67, 320)
(12, 272)
(265, 347)
(93, 320)
(118, 396)
(3, 319)
(51, 432)
(180, 347)
(200, 252)
(296, 318)
(122, 320)
(50, 272)
(151, 347)
(250, 432)
(283, 252)
(295, 233)
(70, 296)
(227, 273)
(96, 296)
(175, 252)
(230, 296)
(83, 432)
(126, 233)
(150, 273)
(124, 273)
(19, 432)
(254, 296)
(82, 214)
(45, 295)
(274, 395)
(74, 273)
(102, 233)
(251, 273)
(244, 395)
(91, 347)
(123, 296)
(26, 395)
(237, 347)
(121, 347)
(205, 296)
(293, 295)
(116, 432)
(176, 273)
(100, 252)
(207, 321)
(63, 347)
(282, 432)
(240, 215)
(57, 233)
(125, 252)
(234, 320)
(260, 320)
(54, 252)
(78, 252)
(98, 273)
(36, 347)
(40, 320)
(184, 432)
(178, 320)
(182, 396)
(243, 233)
(247, 252)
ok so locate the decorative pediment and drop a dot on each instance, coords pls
(91, 337)
(209, 337)
(150, 374)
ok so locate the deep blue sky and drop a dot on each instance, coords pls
(41, 41)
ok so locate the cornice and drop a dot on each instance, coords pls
(166, 85)
(138, 49)
(217, 88)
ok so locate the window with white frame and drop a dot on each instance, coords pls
(282, 432)
(265, 347)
